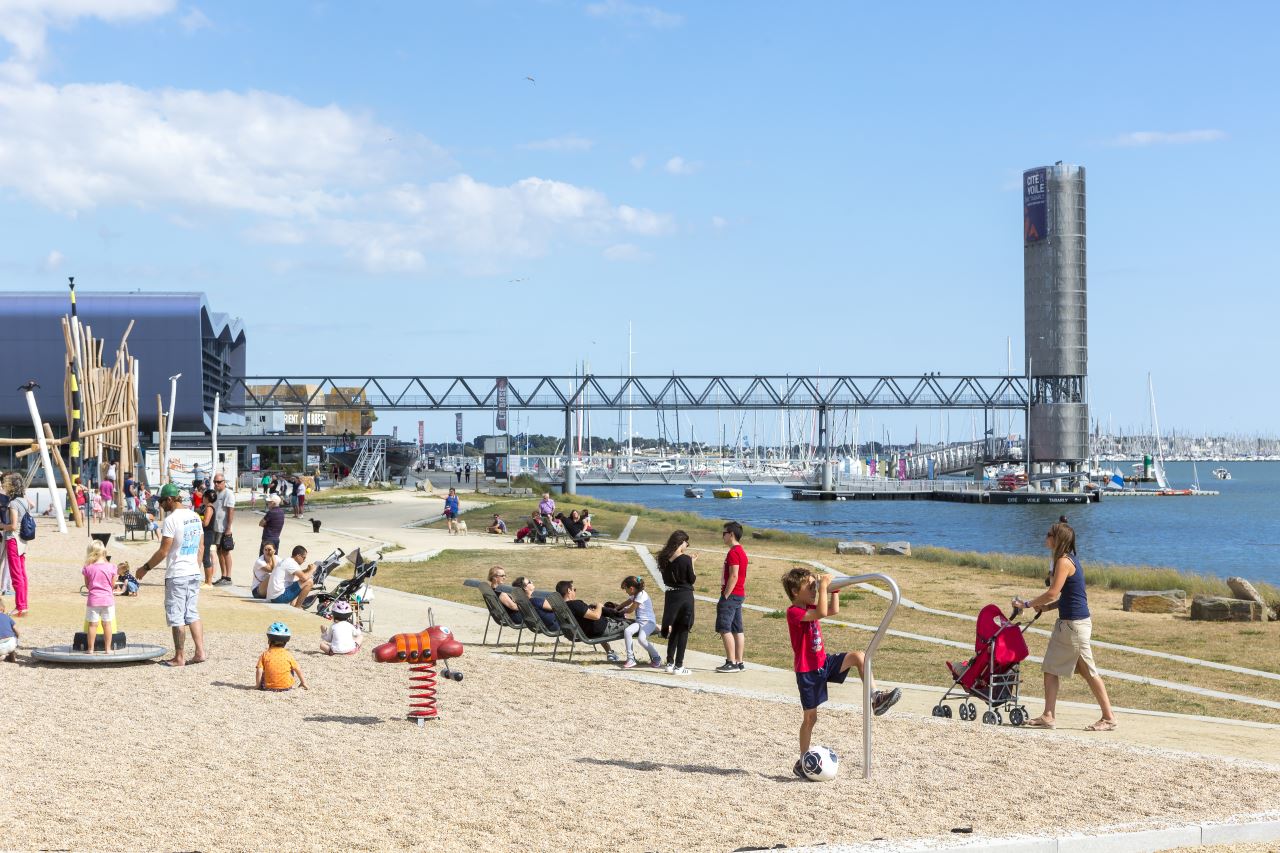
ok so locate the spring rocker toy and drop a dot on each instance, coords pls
(422, 651)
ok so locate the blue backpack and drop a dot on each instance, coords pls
(27, 526)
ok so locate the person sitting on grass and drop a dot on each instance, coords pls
(590, 617)
(277, 666)
(811, 601)
(100, 606)
(8, 636)
(290, 581)
(498, 526)
(342, 636)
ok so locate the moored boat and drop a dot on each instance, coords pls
(693, 492)
(727, 493)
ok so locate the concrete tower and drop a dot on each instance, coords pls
(1056, 318)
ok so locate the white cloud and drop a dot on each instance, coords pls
(635, 14)
(286, 172)
(1144, 138)
(626, 253)
(719, 222)
(637, 162)
(679, 166)
(24, 24)
(53, 261)
(194, 20)
(568, 142)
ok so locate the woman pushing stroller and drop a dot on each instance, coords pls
(1069, 648)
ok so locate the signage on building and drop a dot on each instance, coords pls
(1035, 205)
(313, 418)
(255, 462)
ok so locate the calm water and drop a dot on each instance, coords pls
(1237, 533)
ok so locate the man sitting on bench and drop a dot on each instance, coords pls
(590, 617)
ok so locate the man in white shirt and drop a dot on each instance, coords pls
(181, 541)
(224, 512)
(291, 581)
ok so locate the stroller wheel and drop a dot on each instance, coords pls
(308, 601)
(941, 710)
(991, 718)
(1017, 717)
(966, 711)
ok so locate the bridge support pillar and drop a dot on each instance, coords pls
(570, 473)
(824, 450)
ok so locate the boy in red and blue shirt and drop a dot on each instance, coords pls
(810, 602)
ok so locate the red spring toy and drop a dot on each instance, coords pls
(422, 651)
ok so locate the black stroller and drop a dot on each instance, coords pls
(356, 590)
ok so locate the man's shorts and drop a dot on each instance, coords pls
(95, 614)
(290, 593)
(1069, 643)
(729, 614)
(181, 597)
(813, 685)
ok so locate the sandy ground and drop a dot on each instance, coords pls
(140, 757)
(528, 755)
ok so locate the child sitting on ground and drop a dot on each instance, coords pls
(125, 581)
(100, 606)
(8, 636)
(342, 636)
(276, 666)
(645, 624)
(811, 601)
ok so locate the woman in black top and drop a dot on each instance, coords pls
(574, 526)
(677, 613)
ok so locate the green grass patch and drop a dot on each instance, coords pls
(772, 614)
(337, 500)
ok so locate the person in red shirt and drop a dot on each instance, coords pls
(733, 591)
(810, 602)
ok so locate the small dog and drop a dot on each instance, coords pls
(462, 527)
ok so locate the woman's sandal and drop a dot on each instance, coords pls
(1039, 723)
(1101, 726)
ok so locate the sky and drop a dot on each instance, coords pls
(501, 188)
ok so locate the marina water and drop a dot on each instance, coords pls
(1236, 533)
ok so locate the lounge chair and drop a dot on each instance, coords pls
(573, 632)
(533, 619)
(497, 613)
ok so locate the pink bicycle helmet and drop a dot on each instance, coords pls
(340, 607)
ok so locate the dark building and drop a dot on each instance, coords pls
(172, 333)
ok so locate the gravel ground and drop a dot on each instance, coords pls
(528, 755)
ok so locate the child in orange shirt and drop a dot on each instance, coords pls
(277, 666)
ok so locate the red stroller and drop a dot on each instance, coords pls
(992, 675)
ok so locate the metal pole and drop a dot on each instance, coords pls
(570, 473)
(824, 449)
(213, 453)
(36, 424)
(77, 422)
(168, 438)
(836, 585)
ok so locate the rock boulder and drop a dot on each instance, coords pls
(894, 549)
(1241, 588)
(1214, 608)
(855, 548)
(1155, 601)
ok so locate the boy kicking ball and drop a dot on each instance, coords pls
(811, 601)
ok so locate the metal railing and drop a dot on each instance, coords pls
(836, 585)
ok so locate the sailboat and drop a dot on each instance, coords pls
(1162, 481)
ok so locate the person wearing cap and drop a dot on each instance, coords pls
(272, 524)
(181, 540)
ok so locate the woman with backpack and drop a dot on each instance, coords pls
(17, 531)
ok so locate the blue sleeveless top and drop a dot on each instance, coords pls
(1073, 604)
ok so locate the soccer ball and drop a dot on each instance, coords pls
(820, 764)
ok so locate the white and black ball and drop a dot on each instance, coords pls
(820, 764)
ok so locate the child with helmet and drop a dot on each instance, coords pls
(342, 636)
(277, 666)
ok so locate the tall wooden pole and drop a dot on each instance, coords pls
(66, 480)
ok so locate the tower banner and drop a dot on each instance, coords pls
(1035, 204)
(459, 417)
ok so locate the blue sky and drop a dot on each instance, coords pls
(826, 187)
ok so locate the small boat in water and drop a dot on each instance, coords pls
(1222, 473)
(727, 493)
(693, 492)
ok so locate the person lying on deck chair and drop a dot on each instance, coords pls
(590, 617)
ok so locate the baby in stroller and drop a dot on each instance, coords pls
(992, 675)
(355, 591)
